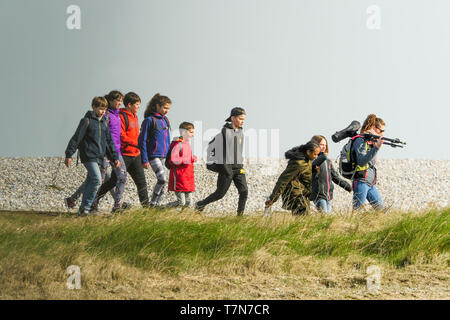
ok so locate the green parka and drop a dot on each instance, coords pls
(294, 183)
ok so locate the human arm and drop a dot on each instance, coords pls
(76, 138)
(176, 155)
(292, 170)
(362, 157)
(142, 142)
(336, 178)
(110, 147)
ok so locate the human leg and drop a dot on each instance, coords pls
(189, 199)
(223, 184)
(135, 170)
(241, 184)
(93, 182)
(375, 199)
(160, 171)
(121, 174)
(360, 190)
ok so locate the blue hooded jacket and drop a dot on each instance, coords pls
(154, 138)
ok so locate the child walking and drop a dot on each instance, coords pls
(181, 161)
(93, 139)
(154, 142)
(114, 99)
(230, 165)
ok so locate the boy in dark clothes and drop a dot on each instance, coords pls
(93, 139)
(230, 162)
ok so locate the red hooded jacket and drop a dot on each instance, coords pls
(181, 177)
(129, 136)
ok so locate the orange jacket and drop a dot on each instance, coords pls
(129, 135)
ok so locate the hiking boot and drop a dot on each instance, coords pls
(70, 204)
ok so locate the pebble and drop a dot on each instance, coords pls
(405, 184)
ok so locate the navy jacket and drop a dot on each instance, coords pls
(93, 139)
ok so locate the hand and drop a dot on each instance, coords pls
(117, 163)
(317, 169)
(379, 143)
(194, 158)
(67, 162)
(146, 165)
(268, 203)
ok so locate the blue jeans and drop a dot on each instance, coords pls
(323, 205)
(105, 176)
(91, 184)
(362, 191)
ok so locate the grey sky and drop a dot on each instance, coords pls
(303, 67)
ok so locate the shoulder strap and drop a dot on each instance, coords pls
(155, 127)
(126, 120)
(181, 146)
(167, 121)
(224, 145)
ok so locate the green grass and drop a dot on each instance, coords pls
(172, 242)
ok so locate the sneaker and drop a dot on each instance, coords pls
(94, 206)
(126, 205)
(82, 213)
(69, 203)
(199, 207)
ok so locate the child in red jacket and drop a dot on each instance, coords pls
(181, 161)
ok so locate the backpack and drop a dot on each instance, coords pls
(212, 161)
(169, 153)
(347, 166)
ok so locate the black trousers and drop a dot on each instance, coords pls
(223, 184)
(135, 170)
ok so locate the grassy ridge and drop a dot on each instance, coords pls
(175, 242)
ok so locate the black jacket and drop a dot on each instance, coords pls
(93, 139)
(322, 182)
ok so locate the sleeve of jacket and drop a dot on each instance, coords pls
(363, 157)
(336, 178)
(142, 140)
(76, 138)
(110, 146)
(293, 169)
(124, 138)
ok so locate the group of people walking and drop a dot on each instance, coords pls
(310, 175)
(111, 136)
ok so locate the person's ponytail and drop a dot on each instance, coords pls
(154, 102)
(371, 121)
(368, 123)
